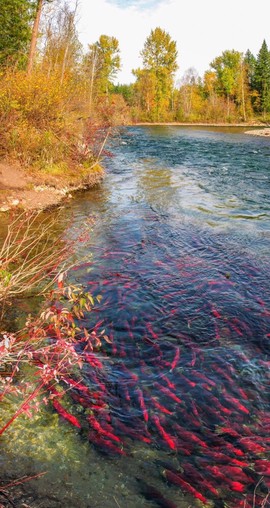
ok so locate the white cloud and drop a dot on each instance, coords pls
(202, 28)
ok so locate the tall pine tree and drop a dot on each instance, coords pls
(262, 78)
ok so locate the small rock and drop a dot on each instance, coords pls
(4, 209)
(15, 202)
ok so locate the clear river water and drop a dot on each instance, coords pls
(179, 253)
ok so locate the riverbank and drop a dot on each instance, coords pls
(23, 190)
(202, 124)
(259, 132)
(20, 189)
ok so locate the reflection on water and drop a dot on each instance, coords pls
(180, 256)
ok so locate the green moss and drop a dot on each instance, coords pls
(56, 169)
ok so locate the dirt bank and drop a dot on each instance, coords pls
(19, 189)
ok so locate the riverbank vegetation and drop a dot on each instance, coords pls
(48, 348)
(55, 119)
(59, 102)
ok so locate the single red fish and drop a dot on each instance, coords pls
(222, 458)
(169, 440)
(216, 404)
(207, 380)
(242, 393)
(191, 384)
(237, 486)
(151, 331)
(168, 393)
(187, 435)
(176, 358)
(76, 384)
(215, 313)
(221, 371)
(142, 404)
(236, 473)
(235, 403)
(104, 444)
(100, 430)
(236, 329)
(215, 472)
(160, 407)
(65, 414)
(177, 480)
(168, 382)
(250, 446)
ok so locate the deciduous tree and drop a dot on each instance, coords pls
(101, 64)
(190, 96)
(231, 79)
(62, 49)
(159, 56)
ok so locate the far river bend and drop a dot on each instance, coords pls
(180, 255)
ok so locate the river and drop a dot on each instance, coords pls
(179, 254)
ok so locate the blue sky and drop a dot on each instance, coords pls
(203, 29)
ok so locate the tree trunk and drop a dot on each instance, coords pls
(92, 79)
(243, 95)
(34, 37)
(228, 107)
(64, 63)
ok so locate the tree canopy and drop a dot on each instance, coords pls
(159, 57)
(15, 30)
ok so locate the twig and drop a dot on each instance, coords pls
(21, 480)
(116, 502)
(254, 493)
(265, 500)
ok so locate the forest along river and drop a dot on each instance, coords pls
(180, 255)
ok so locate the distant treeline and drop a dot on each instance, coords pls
(235, 88)
(39, 38)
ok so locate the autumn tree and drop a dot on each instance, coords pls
(15, 30)
(144, 93)
(190, 96)
(262, 78)
(159, 56)
(127, 92)
(62, 49)
(101, 64)
(231, 79)
(38, 6)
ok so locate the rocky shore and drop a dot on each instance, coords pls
(259, 132)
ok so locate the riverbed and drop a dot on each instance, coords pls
(179, 259)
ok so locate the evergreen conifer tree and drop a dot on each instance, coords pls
(262, 78)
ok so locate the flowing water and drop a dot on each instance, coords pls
(179, 254)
